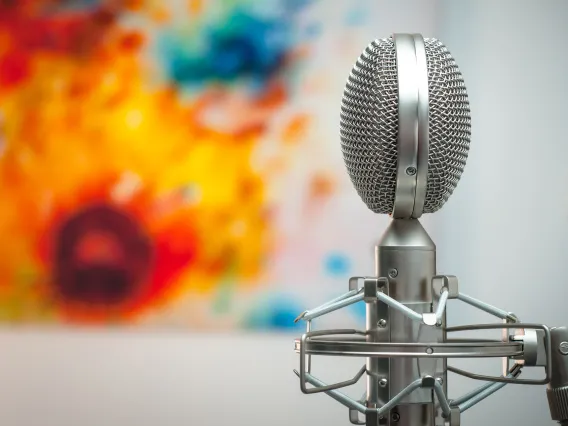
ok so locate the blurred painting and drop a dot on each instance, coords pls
(175, 163)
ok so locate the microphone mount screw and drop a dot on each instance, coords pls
(411, 171)
(382, 323)
(395, 417)
(393, 273)
(383, 383)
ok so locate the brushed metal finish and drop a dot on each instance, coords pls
(413, 415)
(423, 126)
(452, 348)
(412, 142)
(557, 389)
(505, 379)
(377, 327)
(407, 247)
(407, 143)
(372, 318)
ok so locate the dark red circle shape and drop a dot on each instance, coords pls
(102, 257)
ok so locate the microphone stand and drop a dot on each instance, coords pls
(406, 345)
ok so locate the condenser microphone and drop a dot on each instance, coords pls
(405, 133)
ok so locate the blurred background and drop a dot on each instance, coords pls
(172, 196)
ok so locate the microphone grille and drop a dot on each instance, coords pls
(369, 125)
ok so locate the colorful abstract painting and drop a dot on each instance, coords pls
(165, 163)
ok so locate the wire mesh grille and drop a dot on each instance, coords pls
(369, 125)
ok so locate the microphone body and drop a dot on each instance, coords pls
(407, 256)
(405, 134)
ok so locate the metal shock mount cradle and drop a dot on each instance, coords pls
(405, 342)
(407, 255)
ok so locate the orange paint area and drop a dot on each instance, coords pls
(118, 196)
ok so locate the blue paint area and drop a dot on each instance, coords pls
(277, 313)
(356, 16)
(313, 30)
(358, 309)
(243, 46)
(296, 5)
(337, 264)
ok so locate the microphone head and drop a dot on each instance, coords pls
(405, 125)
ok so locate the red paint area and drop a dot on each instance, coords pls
(99, 247)
(31, 28)
(175, 249)
(109, 261)
(101, 257)
(14, 68)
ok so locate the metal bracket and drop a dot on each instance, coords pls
(303, 371)
(354, 283)
(354, 417)
(441, 282)
(548, 355)
(370, 288)
(454, 417)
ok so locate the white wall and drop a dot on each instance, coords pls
(504, 231)
(505, 250)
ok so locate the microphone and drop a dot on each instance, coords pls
(405, 135)
(557, 389)
(405, 132)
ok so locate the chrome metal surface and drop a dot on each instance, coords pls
(486, 392)
(403, 309)
(442, 377)
(426, 382)
(330, 307)
(402, 395)
(499, 313)
(452, 348)
(303, 371)
(450, 282)
(354, 417)
(557, 389)
(372, 329)
(412, 80)
(530, 347)
(547, 340)
(378, 327)
(457, 401)
(477, 395)
(441, 306)
(354, 283)
(441, 395)
(344, 296)
(423, 126)
(338, 396)
(413, 414)
(454, 419)
(407, 247)
(406, 234)
(309, 360)
(369, 124)
(558, 336)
